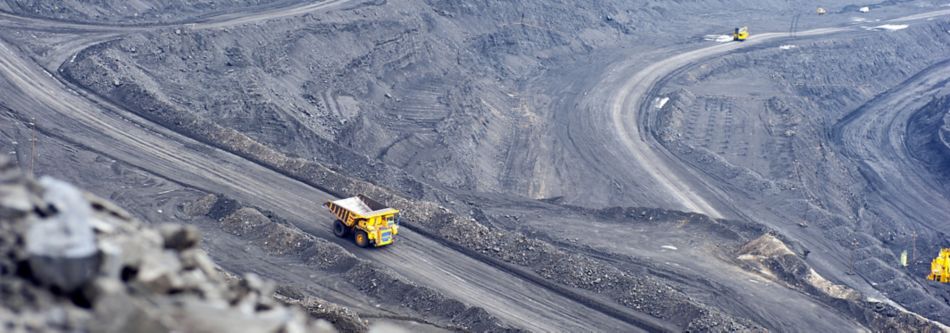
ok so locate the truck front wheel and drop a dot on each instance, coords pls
(361, 239)
(339, 229)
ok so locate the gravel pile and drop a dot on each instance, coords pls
(72, 262)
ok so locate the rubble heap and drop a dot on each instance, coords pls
(72, 262)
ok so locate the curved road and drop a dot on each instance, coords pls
(621, 119)
(32, 91)
(883, 122)
(875, 138)
(90, 122)
(629, 108)
(628, 114)
(886, 161)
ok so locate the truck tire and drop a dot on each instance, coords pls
(340, 229)
(361, 239)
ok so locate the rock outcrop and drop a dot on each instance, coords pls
(72, 262)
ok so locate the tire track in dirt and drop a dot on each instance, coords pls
(140, 146)
(630, 111)
(510, 297)
(877, 146)
(97, 124)
(874, 137)
(209, 21)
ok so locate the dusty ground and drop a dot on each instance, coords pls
(262, 110)
(812, 139)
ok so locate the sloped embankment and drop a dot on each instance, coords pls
(280, 238)
(770, 257)
(928, 138)
(772, 140)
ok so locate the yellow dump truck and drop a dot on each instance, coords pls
(367, 221)
(740, 34)
(940, 267)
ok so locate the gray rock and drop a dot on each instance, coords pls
(179, 237)
(159, 272)
(136, 278)
(62, 247)
(119, 313)
(103, 287)
(200, 317)
(14, 201)
(136, 247)
(199, 259)
(201, 206)
(15, 198)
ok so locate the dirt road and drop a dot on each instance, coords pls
(88, 121)
(629, 114)
(875, 136)
(612, 138)
(624, 113)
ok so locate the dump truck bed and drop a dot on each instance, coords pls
(361, 205)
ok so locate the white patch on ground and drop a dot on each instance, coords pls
(661, 102)
(718, 38)
(767, 246)
(831, 289)
(787, 47)
(669, 247)
(891, 27)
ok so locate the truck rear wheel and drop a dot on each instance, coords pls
(340, 229)
(361, 239)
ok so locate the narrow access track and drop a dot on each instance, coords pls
(875, 137)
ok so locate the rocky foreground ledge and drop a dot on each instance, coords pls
(72, 262)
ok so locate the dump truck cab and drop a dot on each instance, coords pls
(366, 220)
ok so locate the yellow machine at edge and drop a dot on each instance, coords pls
(940, 267)
(367, 221)
(741, 34)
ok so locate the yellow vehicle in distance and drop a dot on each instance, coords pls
(940, 267)
(741, 34)
(369, 222)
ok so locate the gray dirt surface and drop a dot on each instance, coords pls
(862, 187)
(516, 137)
